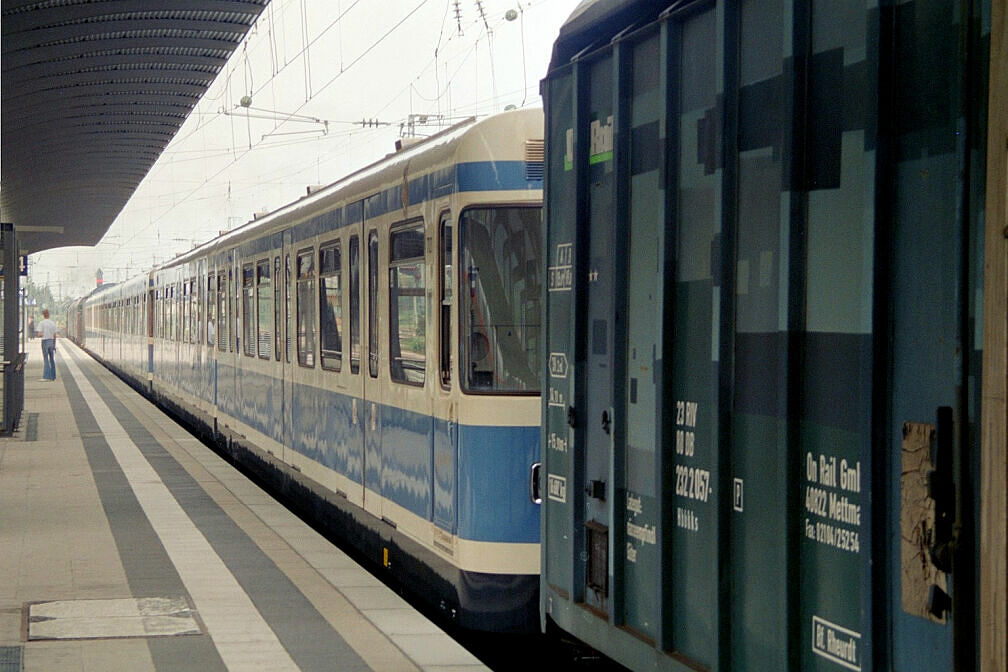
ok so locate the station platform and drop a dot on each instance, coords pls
(126, 544)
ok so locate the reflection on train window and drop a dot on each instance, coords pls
(355, 305)
(373, 303)
(247, 311)
(171, 314)
(330, 307)
(169, 297)
(407, 306)
(176, 312)
(184, 312)
(211, 301)
(500, 255)
(306, 308)
(222, 321)
(276, 306)
(238, 288)
(287, 308)
(264, 305)
(195, 313)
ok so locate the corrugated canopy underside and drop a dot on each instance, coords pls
(92, 92)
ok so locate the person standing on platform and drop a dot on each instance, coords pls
(47, 328)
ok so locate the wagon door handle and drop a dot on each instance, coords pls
(606, 422)
(941, 484)
(535, 484)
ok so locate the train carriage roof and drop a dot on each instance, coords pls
(596, 22)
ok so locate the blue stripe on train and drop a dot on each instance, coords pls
(481, 494)
(494, 483)
(495, 176)
(471, 176)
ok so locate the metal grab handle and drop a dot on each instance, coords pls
(535, 483)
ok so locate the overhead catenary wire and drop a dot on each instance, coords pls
(275, 139)
(441, 92)
(358, 59)
(306, 58)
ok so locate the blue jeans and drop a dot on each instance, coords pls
(48, 358)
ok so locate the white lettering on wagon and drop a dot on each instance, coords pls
(561, 274)
(836, 644)
(557, 488)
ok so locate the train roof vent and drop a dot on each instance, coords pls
(534, 155)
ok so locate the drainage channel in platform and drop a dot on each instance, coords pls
(10, 658)
(31, 428)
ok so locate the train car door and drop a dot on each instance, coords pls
(372, 468)
(445, 400)
(227, 398)
(358, 408)
(287, 365)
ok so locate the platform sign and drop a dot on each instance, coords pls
(22, 266)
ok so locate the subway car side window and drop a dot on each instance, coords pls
(221, 325)
(331, 307)
(407, 305)
(248, 310)
(306, 308)
(264, 309)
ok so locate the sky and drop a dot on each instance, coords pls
(318, 89)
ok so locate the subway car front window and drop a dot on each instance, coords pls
(500, 256)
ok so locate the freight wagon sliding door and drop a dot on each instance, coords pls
(638, 436)
(559, 562)
(688, 466)
(932, 300)
(593, 409)
(759, 319)
(630, 433)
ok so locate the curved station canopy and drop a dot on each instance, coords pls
(92, 92)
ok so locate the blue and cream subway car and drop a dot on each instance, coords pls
(375, 348)
(767, 331)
